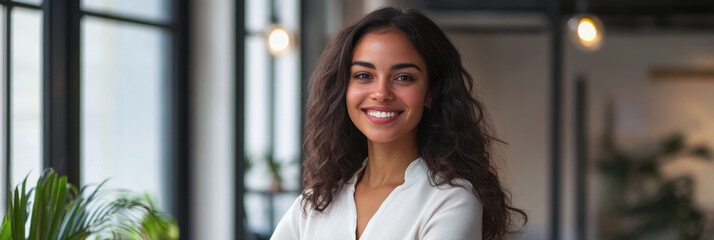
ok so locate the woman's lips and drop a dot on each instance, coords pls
(381, 115)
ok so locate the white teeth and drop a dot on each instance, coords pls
(381, 114)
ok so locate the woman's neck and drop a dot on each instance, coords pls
(387, 162)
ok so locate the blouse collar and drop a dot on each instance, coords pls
(415, 169)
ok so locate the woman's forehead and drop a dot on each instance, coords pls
(387, 48)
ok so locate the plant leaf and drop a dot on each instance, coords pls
(57, 206)
(38, 210)
(5, 230)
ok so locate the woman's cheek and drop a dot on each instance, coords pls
(414, 97)
(355, 94)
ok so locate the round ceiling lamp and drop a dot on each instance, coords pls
(586, 31)
(278, 40)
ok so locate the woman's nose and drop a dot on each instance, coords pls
(382, 91)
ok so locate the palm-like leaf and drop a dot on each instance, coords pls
(61, 212)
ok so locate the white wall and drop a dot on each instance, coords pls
(511, 72)
(213, 80)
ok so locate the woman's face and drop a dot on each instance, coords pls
(387, 90)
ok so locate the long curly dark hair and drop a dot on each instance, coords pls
(453, 135)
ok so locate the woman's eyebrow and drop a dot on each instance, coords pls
(363, 64)
(405, 65)
(394, 67)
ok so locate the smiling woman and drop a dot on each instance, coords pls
(396, 145)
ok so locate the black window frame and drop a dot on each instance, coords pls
(61, 64)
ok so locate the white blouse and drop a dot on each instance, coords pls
(413, 210)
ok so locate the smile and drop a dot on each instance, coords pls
(381, 115)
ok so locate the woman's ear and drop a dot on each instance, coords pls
(431, 94)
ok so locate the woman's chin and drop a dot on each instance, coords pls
(384, 138)
(381, 139)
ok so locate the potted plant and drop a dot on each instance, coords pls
(57, 210)
(640, 201)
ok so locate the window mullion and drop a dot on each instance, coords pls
(61, 88)
(180, 149)
(8, 104)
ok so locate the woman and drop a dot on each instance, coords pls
(396, 145)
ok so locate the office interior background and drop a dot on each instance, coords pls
(201, 105)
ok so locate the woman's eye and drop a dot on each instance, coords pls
(361, 76)
(404, 78)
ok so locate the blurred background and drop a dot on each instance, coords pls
(606, 106)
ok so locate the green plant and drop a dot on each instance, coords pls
(248, 163)
(59, 211)
(640, 201)
(274, 167)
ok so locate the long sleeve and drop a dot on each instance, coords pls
(460, 216)
(289, 226)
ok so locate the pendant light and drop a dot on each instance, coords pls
(586, 30)
(279, 40)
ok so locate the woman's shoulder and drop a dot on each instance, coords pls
(457, 192)
(455, 189)
(438, 184)
(439, 192)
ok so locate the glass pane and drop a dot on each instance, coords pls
(152, 10)
(124, 106)
(287, 120)
(26, 91)
(33, 2)
(288, 13)
(257, 15)
(257, 115)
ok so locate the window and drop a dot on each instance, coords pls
(127, 67)
(125, 105)
(272, 115)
